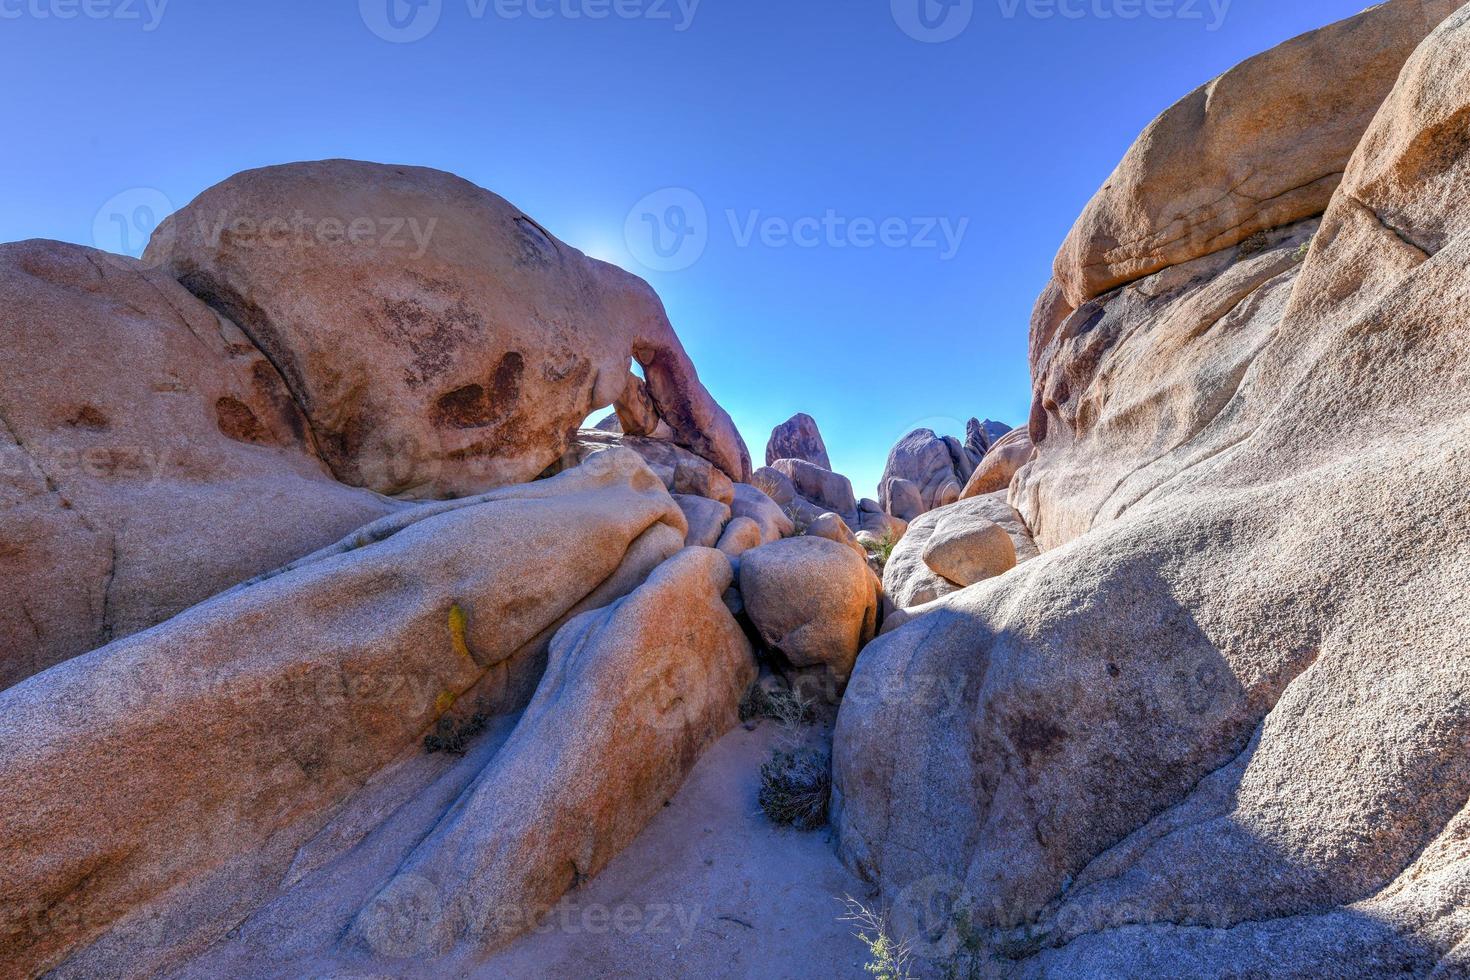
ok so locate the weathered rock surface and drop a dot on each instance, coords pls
(754, 504)
(741, 535)
(187, 763)
(1130, 414)
(636, 413)
(798, 438)
(924, 471)
(996, 470)
(680, 470)
(831, 492)
(633, 695)
(774, 484)
(150, 456)
(834, 528)
(980, 436)
(1262, 146)
(707, 519)
(871, 518)
(908, 579)
(439, 341)
(1222, 730)
(815, 602)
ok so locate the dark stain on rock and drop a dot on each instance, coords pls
(475, 406)
(1094, 317)
(89, 417)
(272, 391)
(1036, 738)
(435, 337)
(236, 420)
(537, 245)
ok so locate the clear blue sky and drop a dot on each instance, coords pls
(763, 109)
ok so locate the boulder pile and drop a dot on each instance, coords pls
(331, 644)
(286, 512)
(925, 470)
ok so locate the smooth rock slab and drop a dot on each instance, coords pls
(234, 728)
(633, 695)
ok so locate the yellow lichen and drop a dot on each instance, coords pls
(457, 632)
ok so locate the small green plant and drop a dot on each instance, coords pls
(888, 958)
(795, 788)
(801, 524)
(455, 737)
(881, 549)
(1301, 253)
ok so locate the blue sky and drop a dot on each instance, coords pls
(854, 213)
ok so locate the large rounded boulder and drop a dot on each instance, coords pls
(1001, 462)
(815, 602)
(438, 339)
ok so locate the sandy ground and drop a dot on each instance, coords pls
(711, 889)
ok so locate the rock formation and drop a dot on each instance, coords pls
(754, 505)
(707, 519)
(1218, 727)
(1169, 682)
(449, 347)
(813, 601)
(829, 491)
(798, 438)
(807, 493)
(1000, 464)
(680, 470)
(953, 547)
(925, 470)
(980, 436)
(1261, 147)
(150, 456)
(632, 695)
(202, 753)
